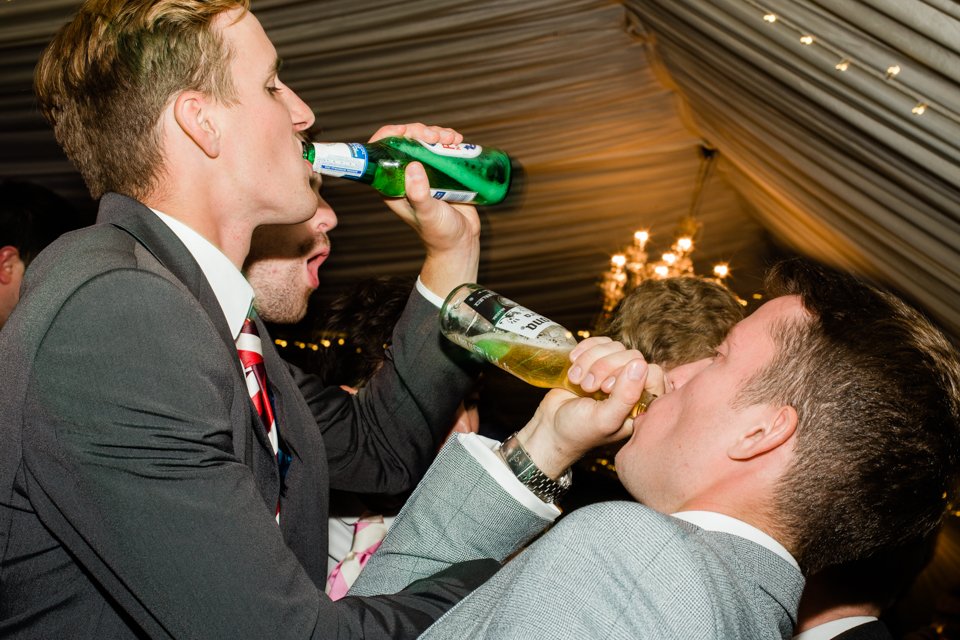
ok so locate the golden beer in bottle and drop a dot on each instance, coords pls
(519, 341)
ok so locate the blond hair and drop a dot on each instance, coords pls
(106, 77)
(675, 320)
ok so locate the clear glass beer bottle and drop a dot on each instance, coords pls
(519, 341)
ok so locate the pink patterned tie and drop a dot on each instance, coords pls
(251, 357)
(368, 534)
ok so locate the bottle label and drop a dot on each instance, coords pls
(462, 150)
(340, 159)
(450, 195)
(507, 315)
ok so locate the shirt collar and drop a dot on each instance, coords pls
(712, 521)
(832, 629)
(232, 290)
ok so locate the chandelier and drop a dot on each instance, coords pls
(633, 264)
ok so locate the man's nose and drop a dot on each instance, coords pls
(301, 115)
(325, 219)
(679, 376)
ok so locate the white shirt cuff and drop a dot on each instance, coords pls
(483, 451)
(434, 299)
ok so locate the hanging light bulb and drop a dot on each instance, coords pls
(919, 109)
(721, 270)
(843, 65)
(892, 71)
(684, 244)
(770, 17)
(806, 39)
(640, 237)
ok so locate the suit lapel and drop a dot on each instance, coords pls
(157, 238)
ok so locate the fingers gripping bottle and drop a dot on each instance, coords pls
(519, 341)
(463, 172)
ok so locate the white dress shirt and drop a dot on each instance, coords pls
(232, 290)
(833, 628)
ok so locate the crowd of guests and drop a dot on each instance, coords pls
(166, 474)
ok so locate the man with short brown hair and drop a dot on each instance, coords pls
(825, 429)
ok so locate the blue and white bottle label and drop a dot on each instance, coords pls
(340, 159)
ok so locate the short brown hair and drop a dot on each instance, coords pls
(106, 77)
(675, 320)
(877, 391)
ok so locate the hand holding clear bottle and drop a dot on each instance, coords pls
(519, 341)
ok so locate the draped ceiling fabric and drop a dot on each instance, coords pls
(834, 163)
(605, 104)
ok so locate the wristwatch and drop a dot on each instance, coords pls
(544, 487)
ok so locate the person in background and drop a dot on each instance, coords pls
(164, 473)
(31, 217)
(824, 430)
(365, 317)
(674, 321)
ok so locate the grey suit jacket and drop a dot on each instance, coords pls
(137, 485)
(610, 570)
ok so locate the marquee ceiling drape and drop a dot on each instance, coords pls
(605, 104)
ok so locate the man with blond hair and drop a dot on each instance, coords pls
(153, 485)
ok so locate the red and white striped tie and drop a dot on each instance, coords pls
(251, 357)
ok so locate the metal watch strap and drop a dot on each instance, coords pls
(527, 472)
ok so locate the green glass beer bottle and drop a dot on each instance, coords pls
(519, 341)
(463, 172)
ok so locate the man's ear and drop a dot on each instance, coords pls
(775, 427)
(9, 259)
(196, 113)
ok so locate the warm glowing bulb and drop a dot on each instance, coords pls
(892, 70)
(669, 258)
(341, 341)
(685, 243)
(721, 270)
(843, 65)
(325, 343)
(641, 236)
(770, 17)
(661, 270)
(618, 260)
(806, 39)
(919, 109)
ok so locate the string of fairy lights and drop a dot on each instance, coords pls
(888, 73)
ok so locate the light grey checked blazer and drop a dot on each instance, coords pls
(611, 570)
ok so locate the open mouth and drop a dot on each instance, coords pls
(313, 266)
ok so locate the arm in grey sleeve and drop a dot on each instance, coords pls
(459, 511)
